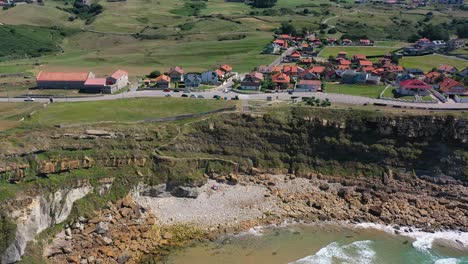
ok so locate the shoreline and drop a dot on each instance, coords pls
(237, 204)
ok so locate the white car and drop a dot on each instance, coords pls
(29, 99)
(167, 95)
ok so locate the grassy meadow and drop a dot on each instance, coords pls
(123, 110)
(426, 63)
(372, 91)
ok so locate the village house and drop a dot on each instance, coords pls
(451, 87)
(212, 77)
(281, 80)
(252, 81)
(192, 80)
(292, 70)
(464, 72)
(119, 79)
(359, 57)
(281, 43)
(431, 77)
(308, 86)
(294, 57)
(83, 81)
(63, 80)
(415, 72)
(343, 62)
(313, 73)
(226, 69)
(365, 63)
(264, 69)
(95, 85)
(342, 55)
(454, 44)
(447, 69)
(413, 87)
(162, 82)
(176, 74)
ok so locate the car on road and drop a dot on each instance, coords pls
(29, 99)
(290, 92)
(193, 96)
(167, 95)
(176, 90)
(200, 97)
(216, 97)
(167, 90)
(235, 98)
(184, 95)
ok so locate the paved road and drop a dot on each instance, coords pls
(280, 58)
(337, 98)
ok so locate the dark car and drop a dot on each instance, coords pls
(216, 97)
(184, 95)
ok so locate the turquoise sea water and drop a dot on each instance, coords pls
(327, 244)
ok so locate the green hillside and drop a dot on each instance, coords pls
(29, 41)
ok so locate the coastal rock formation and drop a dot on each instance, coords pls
(39, 213)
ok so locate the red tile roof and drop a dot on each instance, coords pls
(446, 68)
(345, 62)
(225, 68)
(63, 76)
(317, 69)
(448, 84)
(219, 72)
(295, 54)
(433, 74)
(257, 75)
(343, 67)
(280, 78)
(284, 36)
(96, 82)
(118, 74)
(368, 69)
(414, 84)
(360, 57)
(365, 63)
(163, 77)
(290, 69)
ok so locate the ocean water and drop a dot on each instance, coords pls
(329, 244)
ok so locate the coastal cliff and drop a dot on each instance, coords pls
(371, 162)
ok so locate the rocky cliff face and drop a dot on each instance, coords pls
(300, 142)
(39, 213)
(340, 145)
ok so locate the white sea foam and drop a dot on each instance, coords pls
(356, 252)
(424, 240)
(447, 261)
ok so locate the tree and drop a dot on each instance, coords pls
(332, 31)
(395, 59)
(434, 32)
(287, 28)
(462, 30)
(154, 74)
(263, 3)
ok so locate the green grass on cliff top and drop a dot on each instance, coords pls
(124, 110)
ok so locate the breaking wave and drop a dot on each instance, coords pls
(356, 252)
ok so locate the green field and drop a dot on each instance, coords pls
(123, 110)
(29, 41)
(142, 36)
(372, 91)
(426, 63)
(369, 51)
